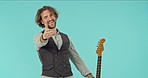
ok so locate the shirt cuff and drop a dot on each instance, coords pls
(85, 73)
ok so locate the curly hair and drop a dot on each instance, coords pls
(38, 14)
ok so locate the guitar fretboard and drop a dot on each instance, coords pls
(98, 71)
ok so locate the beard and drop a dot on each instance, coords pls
(52, 24)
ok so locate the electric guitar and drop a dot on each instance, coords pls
(100, 49)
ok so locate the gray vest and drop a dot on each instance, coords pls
(55, 63)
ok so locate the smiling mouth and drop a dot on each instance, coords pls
(51, 24)
(51, 21)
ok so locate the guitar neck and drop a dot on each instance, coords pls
(98, 71)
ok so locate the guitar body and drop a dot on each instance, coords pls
(100, 49)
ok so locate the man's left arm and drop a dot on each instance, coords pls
(78, 62)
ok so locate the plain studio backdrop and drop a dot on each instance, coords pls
(124, 25)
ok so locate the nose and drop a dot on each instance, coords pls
(49, 18)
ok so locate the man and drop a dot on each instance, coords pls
(55, 48)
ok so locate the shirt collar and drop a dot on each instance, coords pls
(58, 32)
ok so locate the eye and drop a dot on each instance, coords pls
(45, 17)
(51, 14)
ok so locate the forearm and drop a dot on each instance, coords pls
(80, 65)
(39, 42)
(78, 62)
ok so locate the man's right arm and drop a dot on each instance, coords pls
(38, 41)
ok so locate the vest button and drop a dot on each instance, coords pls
(55, 59)
(56, 65)
(55, 55)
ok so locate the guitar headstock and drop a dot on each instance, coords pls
(100, 47)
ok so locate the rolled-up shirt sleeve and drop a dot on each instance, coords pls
(38, 42)
(78, 62)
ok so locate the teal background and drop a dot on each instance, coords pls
(124, 25)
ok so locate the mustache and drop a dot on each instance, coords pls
(51, 21)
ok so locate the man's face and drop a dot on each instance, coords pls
(48, 19)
